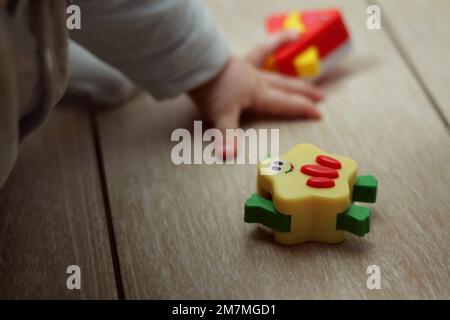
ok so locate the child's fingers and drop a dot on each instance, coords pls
(224, 121)
(228, 119)
(261, 52)
(277, 102)
(294, 85)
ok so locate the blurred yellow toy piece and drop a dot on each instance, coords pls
(307, 194)
(307, 63)
(293, 22)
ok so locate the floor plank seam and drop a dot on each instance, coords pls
(394, 40)
(107, 206)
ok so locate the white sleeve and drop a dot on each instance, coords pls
(165, 46)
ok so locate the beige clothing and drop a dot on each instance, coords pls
(33, 64)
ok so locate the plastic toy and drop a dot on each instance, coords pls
(323, 40)
(308, 194)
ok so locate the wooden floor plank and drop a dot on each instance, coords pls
(421, 29)
(52, 216)
(180, 229)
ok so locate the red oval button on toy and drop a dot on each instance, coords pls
(329, 162)
(315, 170)
(320, 182)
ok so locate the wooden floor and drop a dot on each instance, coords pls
(99, 189)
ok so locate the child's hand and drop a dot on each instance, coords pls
(242, 85)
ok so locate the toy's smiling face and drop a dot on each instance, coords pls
(307, 179)
(274, 166)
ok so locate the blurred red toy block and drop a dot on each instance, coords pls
(323, 39)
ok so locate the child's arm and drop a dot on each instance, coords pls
(165, 46)
(172, 46)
